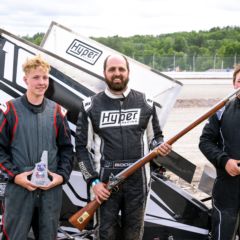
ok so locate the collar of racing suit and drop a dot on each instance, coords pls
(34, 108)
(123, 95)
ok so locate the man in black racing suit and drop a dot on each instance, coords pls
(220, 143)
(30, 125)
(115, 128)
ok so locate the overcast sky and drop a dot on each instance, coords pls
(123, 17)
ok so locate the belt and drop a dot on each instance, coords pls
(118, 164)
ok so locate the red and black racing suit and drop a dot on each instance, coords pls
(25, 132)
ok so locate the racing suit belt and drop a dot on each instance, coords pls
(117, 164)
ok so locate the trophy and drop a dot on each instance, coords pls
(40, 172)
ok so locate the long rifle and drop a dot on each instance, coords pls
(82, 217)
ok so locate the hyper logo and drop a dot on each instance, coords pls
(120, 118)
(84, 51)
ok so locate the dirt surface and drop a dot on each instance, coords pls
(195, 99)
(187, 146)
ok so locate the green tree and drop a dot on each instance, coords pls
(36, 38)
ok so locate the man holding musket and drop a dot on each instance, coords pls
(115, 128)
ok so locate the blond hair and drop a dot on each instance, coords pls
(34, 62)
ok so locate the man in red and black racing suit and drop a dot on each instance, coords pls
(115, 128)
(30, 125)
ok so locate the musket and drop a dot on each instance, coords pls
(82, 217)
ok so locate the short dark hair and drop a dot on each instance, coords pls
(106, 59)
(236, 71)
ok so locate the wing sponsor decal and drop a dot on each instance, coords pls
(84, 51)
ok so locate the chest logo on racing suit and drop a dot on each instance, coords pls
(120, 118)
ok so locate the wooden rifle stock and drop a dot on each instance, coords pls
(82, 217)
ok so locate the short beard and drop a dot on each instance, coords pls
(117, 86)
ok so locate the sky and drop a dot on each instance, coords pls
(103, 18)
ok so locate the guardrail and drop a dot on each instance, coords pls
(200, 75)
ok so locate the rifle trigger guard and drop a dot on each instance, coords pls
(113, 182)
(115, 189)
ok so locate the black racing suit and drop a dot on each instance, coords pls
(219, 142)
(112, 133)
(25, 132)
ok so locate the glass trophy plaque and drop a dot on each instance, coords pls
(40, 172)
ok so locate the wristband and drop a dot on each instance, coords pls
(96, 181)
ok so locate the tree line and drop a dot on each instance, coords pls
(195, 50)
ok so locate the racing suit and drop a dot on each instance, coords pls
(25, 132)
(112, 133)
(219, 142)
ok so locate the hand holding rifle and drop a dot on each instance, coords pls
(101, 192)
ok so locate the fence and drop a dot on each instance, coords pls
(189, 63)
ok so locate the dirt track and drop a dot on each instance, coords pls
(187, 146)
(193, 101)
